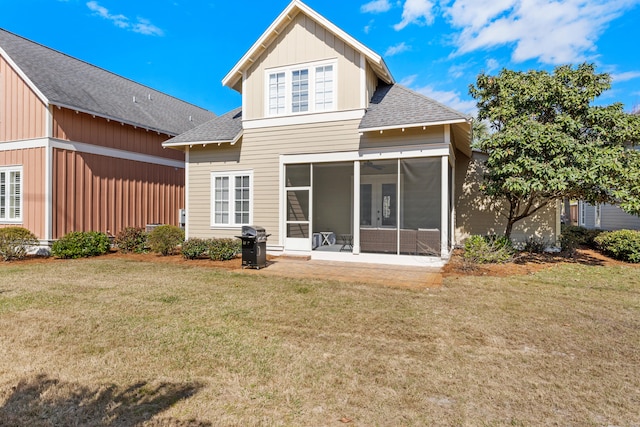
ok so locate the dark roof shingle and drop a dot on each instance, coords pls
(69, 82)
(395, 105)
(223, 128)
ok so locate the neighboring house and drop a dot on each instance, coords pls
(606, 217)
(81, 148)
(334, 158)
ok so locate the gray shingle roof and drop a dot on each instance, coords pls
(68, 82)
(395, 105)
(224, 128)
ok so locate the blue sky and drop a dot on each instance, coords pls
(436, 47)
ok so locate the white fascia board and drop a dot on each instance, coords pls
(203, 143)
(115, 119)
(192, 143)
(116, 153)
(24, 77)
(412, 125)
(24, 144)
(294, 7)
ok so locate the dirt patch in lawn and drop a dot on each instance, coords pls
(526, 263)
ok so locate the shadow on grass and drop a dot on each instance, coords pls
(43, 401)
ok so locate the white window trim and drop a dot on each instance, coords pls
(581, 213)
(232, 205)
(8, 170)
(288, 71)
(597, 215)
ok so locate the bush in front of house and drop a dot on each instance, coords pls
(488, 249)
(165, 239)
(620, 244)
(535, 245)
(194, 248)
(15, 242)
(573, 236)
(223, 249)
(81, 244)
(132, 239)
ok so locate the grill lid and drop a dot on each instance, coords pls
(254, 231)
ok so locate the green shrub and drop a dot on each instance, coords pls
(194, 248)
(573, 236)
(132, 239)
(535, 245)
(621, 244)
(165, 239)
(81, 244)
(488, 249)
(224, 249)
(15, 242)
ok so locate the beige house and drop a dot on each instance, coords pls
(332, 157)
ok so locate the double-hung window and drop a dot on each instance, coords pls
(324, 87)
(11, 194)
(231, 198)
(299, 89)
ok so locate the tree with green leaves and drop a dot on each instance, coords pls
(550, 142)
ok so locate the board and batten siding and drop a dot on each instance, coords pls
(259, 150)
(304, 41)
(32, 161)
(99, 193)
(74, 126)
(475, 213)
(22, 114)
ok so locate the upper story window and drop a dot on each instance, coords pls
(11, 194)
(276, 93)
(301, 89)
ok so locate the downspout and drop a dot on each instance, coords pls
(48, 178)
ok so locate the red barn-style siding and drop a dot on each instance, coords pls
(98, 193)
(32, 161)
(22, 113)
(80, 127)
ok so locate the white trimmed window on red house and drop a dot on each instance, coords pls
(11, 194)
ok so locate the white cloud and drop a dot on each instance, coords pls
(399, 48)
(145, 27)
(408, 80)
(553, 32)
(418, 12)
(368, 27)
(623, 77)
(449, 98)
(142, 26)
(376, 6)
(492, 65)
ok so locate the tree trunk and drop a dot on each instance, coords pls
(509, 229)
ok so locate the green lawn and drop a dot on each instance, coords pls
(114, 342)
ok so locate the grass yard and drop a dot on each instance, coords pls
(114, 342)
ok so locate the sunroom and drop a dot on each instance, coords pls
(389, 205)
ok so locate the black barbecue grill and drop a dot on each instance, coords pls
(254, 246)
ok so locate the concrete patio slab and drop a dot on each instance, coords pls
(379, 274)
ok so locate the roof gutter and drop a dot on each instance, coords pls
(203, 143)
(412, 125)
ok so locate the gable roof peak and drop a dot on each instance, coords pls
(285, 18)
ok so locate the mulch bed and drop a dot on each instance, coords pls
(523, 264)
(526, 263)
